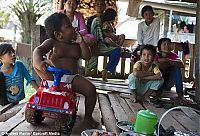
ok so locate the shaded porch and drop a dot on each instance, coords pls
(110, 108)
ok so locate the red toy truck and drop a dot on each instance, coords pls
(56, 101)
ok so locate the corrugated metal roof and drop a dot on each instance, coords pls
(174, 6)
(182, 4)
(189, 1)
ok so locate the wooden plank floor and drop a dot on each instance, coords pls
(109, 109)
(18, 126)
(182, 120)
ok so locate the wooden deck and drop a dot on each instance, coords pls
(109, 109)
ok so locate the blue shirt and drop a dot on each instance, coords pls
(15, 82)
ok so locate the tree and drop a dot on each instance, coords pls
(4, 18)
(28, 13)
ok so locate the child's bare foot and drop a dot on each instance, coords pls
(90, 123)
(104, 75)
(133, 98)
(147, 96)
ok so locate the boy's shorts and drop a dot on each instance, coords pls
(65, 79)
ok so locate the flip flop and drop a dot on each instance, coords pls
(147, 101)
(128, 95)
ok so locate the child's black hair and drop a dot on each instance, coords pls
(161, 41)
(182, 24)
(109, 14)
(53, 23)
(147, 8)
(5, 48)
(150, 48)
(3, 96)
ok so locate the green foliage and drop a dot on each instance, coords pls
(28, 13)
(4, 18)
(28, 91)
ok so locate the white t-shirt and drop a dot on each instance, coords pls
(148, 34)
(75, 22)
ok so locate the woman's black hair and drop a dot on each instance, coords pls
(5, 47)
(109, 14)
(161, 41)
(3, 96)
(77, 1)
(150, 48)
(147, 8)
(53, 23)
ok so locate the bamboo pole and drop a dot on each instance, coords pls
(197, 53)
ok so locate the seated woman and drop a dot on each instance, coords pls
(78, 22)
(113, 51)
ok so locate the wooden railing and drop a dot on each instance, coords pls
(23, 50)
(125, 65)
(123, 69)
(188, 60)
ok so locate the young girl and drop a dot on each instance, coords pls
(146, 76)
(14, 72)
(170, 65)
(109, 31)
(149, 29)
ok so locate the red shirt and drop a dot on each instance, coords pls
(171, 56)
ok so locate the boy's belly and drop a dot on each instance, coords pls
(70, 64)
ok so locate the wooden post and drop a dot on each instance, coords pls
(60, 5)
(166, 22)
(170, 21)
(38, 36)
(197, 53)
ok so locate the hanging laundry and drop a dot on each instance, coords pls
(185, 47)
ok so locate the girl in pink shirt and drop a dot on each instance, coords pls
(170, 66)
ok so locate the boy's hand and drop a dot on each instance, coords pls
(163, 60)
(79, 38)
(43, 66)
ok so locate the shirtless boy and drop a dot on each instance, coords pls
(65, 47)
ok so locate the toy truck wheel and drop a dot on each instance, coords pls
(71, 120)
(33, 116)
(61, 124)
(65, 123)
